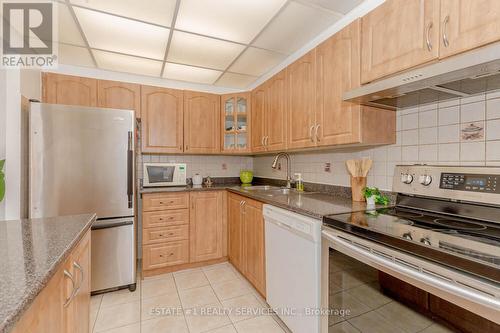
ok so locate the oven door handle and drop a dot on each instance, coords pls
(358, 252)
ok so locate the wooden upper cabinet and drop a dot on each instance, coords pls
(275, 119)
(205, 226)
(338, 67)
(235, 123)
(69, 90)
(162, 120)
(201, 122)
(235, 230)
(254, 245)
(301, 101)
(258, 121)
(467, 24)
(119, 95)
(399, 35)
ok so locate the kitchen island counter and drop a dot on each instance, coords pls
(31, 251)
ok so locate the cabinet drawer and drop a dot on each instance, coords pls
(165, 218)
(165, 234)
(162, 201)
(165, 254)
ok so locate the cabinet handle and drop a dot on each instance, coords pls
(187, 147)
(77, 266)
(262, 141)
(316, 132)
(266, 140)
(446, 42)
(180, 148)
(428, 37)
(243, 207)
(311, 133)
(70, 277)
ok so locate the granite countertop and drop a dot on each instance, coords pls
(187, 188)
(31, 251)
(312, 204)
(315, 205)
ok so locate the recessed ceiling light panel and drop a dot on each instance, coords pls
(154, 11)
(256, 61)
(190, 73)
(202, 51)
(117, 34)
(127, 64)
(234, 20)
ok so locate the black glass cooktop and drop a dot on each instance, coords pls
(466, 244)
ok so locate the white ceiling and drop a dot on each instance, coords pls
(225, 43)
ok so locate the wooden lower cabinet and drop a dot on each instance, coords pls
(247, 239)
(205, 226)
(61, 307)
(182, 230)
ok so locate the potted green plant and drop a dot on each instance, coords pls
(2, 180)
(373, 196)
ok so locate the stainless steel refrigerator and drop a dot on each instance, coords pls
(81, 160)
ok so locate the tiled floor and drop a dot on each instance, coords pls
(215, 299)
(354, 287)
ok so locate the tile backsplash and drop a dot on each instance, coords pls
(214, 166)
(458, 132)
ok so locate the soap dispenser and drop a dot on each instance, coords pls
(299, 185)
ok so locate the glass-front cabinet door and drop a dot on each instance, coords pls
(236, 120)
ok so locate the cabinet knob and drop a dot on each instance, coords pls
(171, 254)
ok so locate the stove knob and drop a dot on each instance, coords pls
(426, 241)
(425, 180)
(406, 178)
(407, 235)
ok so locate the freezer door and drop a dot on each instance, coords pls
(81, 161)
(113, 254)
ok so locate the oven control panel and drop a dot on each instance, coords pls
(457, 183)
(470, 182)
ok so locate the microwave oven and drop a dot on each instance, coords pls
(164, 174)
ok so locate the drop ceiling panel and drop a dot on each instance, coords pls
(233, 80)
(296, 25)
(128, 64)
(202, 51)
(154, 11)
(238, 21)
(190, 73)
(68, 30)
(117, 34)
(339, 6)
(256, 61)
(75, 55)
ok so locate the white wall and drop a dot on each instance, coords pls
(430, 134)
(13, 137)
(3, 88)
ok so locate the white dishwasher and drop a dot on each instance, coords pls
(293, 263)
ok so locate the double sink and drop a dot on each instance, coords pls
(272, 191)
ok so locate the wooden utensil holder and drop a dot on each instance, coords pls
(357, 186)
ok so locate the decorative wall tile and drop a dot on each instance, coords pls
(472, 131)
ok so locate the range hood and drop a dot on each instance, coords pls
(468, 74)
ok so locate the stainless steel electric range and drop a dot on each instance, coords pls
(443, 234)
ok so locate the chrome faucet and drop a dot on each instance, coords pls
(288, 167)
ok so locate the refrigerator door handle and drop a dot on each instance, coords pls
(130, 175)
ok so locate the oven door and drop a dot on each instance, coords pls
(358, 257)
